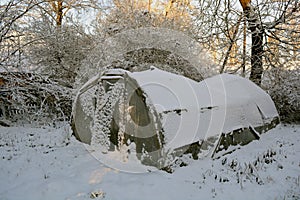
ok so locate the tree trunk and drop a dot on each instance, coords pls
(244, 48)
(256, 56)
(149, 5)
(59, 13)
(257, 42)
(168, 8)
(57, 7)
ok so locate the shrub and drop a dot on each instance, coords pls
(284, 88)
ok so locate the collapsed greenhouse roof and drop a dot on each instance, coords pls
(214, 114)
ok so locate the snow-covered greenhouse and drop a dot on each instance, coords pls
(164, 114)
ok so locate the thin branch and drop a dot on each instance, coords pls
(232, 41)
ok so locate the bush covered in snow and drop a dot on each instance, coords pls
(32, 97)
(138, 49)
(284, 88)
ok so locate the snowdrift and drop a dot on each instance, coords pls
(159, 115)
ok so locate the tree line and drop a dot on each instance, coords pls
(242, 36)
(258, 39)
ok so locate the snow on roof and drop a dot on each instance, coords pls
(166, 90)
(193, 111)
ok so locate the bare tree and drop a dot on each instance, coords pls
(130, 14)
(57, 52)
(259, 29)
(57, 10)
(60, 42)
(16, 17)
(267, 45)
(272, 25)
(121, 47)
(282, 36)
(217, 26)
(11, 32)
(255, 26)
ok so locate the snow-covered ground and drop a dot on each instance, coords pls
(46, 163)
